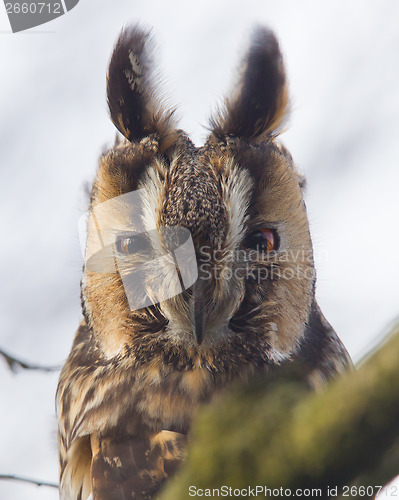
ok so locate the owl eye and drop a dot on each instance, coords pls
(132, 244)
(262, 240)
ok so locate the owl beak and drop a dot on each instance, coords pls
(198, 310)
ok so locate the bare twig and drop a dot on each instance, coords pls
(14, 364)
(12, 477)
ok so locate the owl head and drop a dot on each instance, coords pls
(198, 248)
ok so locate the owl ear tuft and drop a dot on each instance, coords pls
(259, 105)
(134, 103)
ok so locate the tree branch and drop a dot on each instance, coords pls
(14, 364)
(12, 477)
(277, 434)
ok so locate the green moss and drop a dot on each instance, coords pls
(275, 433)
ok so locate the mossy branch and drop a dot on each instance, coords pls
(277, 434)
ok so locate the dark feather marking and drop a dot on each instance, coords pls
(321, 349)
(132, 98)
(259, 103)
(127, 107)
(121, 467)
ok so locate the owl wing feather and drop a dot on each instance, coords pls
(322, 352)
(122, 466)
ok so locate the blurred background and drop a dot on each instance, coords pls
(342, 64)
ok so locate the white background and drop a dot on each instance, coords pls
(342, 62)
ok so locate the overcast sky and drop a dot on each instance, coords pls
(342, 63)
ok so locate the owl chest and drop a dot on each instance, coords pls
(134, 398)
(168, 401)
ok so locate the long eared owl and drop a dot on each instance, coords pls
(198, 272)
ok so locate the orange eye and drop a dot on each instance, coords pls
(262, 240)
(125, 245)
(132, 244)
